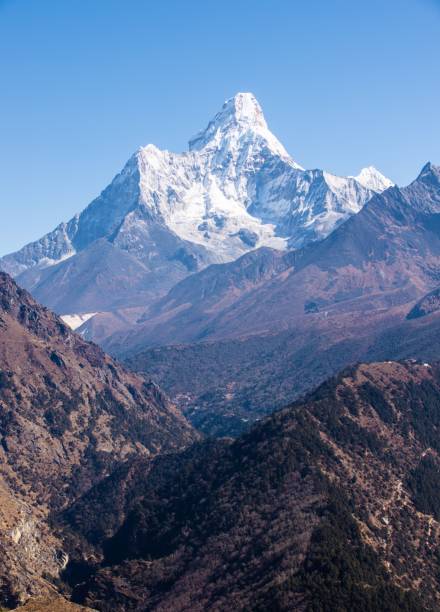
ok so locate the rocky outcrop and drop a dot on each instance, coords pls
(427, 305)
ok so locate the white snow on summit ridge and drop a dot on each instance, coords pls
(240, 117)
(204, 195)
(235, 189)
(371, 178)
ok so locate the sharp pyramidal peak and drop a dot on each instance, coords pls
(167, 215)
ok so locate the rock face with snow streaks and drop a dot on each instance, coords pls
(167, 215)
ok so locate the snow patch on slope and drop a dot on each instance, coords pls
(46, 262)
(76, 320)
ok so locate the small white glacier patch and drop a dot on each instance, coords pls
(76, 320)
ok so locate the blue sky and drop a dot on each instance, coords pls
(343, 85)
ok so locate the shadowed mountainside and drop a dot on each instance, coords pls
(331, 503)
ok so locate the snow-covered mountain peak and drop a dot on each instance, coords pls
(371, 178)
(242, 112)
(235, 190)
(239, 122)
(243, 109)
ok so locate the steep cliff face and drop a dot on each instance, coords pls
(331, 503)
(68, 415)
(29, 551)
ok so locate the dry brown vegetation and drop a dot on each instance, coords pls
(69, 415)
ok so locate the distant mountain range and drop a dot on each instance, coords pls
(388, 254)
(244, 336)
(239, 280)
(167, 215)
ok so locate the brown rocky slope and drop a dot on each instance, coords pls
(69, 414)
(330, 504)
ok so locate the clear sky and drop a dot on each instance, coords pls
(343, 84)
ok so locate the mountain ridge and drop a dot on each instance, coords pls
(333, 302)
(325, 504)
(175, 213)
(359, 260)
(69, 414)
